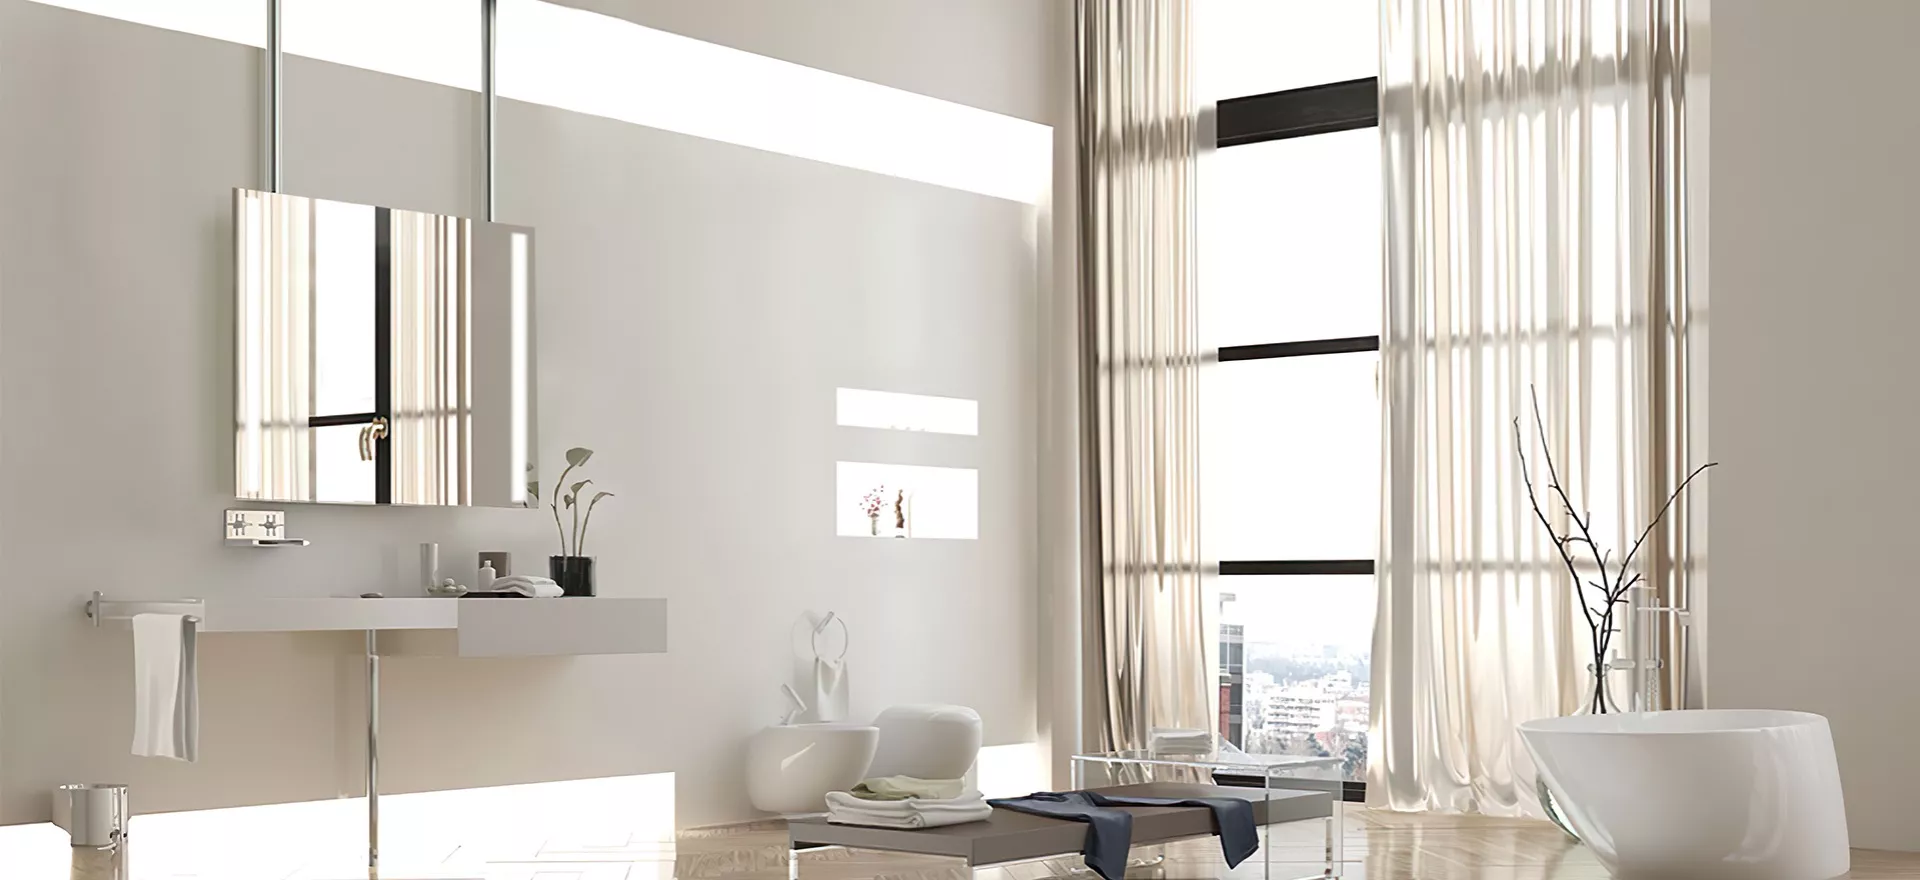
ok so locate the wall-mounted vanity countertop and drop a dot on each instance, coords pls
(455, 627)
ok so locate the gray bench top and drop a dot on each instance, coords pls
(1013, 836)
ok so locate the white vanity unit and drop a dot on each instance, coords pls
(422, 626)
(431, 626)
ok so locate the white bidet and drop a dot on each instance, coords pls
(791, 767)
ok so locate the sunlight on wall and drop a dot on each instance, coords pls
(235, 21)
(437, 41)
(858, 408)
(1010, 770)
(465, 828)
(591, 63)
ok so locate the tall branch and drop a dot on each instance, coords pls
(1655, 522)
(1586, 532)
(1559, 544)
(1614, 583)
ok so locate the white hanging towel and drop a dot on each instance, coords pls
(829, 689)
(166, 688)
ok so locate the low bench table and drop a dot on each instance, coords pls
(1012, 836)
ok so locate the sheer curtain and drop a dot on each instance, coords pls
(432, 354)
(273, 447)
(1146, 626)
(1530, 152)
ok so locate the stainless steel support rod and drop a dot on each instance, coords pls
(273, 95)
(489, 42)
(373, 750)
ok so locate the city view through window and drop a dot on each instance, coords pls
(1295, 668)
(1290, 281)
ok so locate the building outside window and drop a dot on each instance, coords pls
(1290, 239)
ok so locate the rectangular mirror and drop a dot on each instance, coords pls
(383, 356)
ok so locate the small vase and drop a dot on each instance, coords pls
(1597, 697)
(574, 574)
(873, 525)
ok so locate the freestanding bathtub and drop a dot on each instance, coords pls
(1718, 794)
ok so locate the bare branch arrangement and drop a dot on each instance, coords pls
(1600, 598)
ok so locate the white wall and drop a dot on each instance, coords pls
(1814, 224)
(698, 303)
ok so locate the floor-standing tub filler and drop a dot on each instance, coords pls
(1723, 794)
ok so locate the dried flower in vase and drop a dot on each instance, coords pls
(872, 502)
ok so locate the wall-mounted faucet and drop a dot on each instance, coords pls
(258, 528)
(798, 705)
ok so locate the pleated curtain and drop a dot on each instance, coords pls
(1147, 635)
(1533, 179)
(274, 251)
(432, 359)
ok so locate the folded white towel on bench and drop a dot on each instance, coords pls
(900, 788)
(845, 809)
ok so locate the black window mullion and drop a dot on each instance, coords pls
(1322, 109)
(336, 421)
(1341, 345)
(1234, 567)
(383, 351)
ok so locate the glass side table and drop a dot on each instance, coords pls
(1276, 772)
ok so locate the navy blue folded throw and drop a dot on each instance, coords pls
(1110, 831)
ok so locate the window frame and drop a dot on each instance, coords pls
(1291, 113)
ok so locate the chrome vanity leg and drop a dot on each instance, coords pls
(1266, 846)
(373, 751)
(793, 863)
(1337, 839)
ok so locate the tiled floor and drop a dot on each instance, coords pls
(1380, 846)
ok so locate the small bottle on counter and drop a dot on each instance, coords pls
(483, 582)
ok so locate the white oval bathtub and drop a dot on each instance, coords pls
(1712, 794)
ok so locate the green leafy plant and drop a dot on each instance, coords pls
(577, 457)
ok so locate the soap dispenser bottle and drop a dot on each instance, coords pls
(484, 580)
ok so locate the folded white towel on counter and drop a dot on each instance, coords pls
(900, 788)
(845, 809)
(1180, 740)
(166, 688)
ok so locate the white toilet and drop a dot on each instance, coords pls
(927, 741)
(791, 767)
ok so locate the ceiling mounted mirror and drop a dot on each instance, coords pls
(383, 356)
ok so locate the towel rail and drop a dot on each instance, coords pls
(99, 608)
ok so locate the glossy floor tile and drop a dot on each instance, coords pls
(1379, 846)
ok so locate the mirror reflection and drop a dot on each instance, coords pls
(384, 356)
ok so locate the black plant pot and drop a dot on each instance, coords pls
(574, 574)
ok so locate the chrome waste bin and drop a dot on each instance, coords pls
(95, 817)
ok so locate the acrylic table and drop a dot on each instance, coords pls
(1279, 776)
